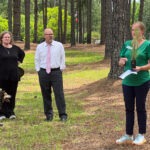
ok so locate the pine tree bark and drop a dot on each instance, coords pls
(10, 15)
(44, 8)
(60, 22)
(65, 21)
(89, 21)
(127, 14)
(80, 22)
(103, 21)
(133, 11)
(45, 14)
(73, 42)
(27, 24)
(118, 26)
(16, 19)
(141, 10)
(35, 20)
(108, 45)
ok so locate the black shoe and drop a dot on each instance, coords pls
(63, 118)
(49, 118)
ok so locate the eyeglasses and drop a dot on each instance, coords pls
(6, 37)
(49, 34)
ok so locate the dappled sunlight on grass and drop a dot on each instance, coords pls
(29, 83)
(78, 57)
(28, 63)
(78, 78)
(29, 130)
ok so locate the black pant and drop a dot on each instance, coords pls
(53, 79)
(11, 88)
(140, 93)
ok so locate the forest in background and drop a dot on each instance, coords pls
(76, 21)
(53, 13)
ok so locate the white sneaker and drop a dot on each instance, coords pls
(139, 139)
(12, 117)
(2, 117)
(125, 139)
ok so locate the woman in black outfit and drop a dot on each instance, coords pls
(10, 57)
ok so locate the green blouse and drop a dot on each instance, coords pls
(143, 55)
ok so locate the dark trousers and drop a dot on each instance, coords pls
(130, 94)
(11, 88)
(48, 81)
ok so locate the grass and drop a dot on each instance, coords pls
(81, 57)
(29, 130)
(73, 57)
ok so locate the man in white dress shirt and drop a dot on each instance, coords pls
(49, 63)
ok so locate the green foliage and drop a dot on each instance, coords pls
(146, 18)
(3, 24)
(137, 11)
(137, 8)
(94, 36)
(52, 22)
(96, 15)
(3, 8)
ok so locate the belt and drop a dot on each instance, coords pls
(52, 69)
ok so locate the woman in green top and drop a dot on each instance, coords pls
(135, 86)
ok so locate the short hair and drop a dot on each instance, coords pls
(11, 36)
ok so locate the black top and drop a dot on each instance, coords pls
(9, 58)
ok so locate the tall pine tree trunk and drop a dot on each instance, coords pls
(65, 22)
(35, 20)
(44, 8)
(103, 21)
(141, 10)
(127, 12)
(45, 14)
(80, 22)
(27, 24)
(16, 19)
(89, 21)
(10, 15)
(118, 26)
(133, 11)
(60, 22)
(108, 45)
(73, 43)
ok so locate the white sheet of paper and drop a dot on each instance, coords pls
(126, 73)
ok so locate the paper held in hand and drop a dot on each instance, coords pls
(126, 73)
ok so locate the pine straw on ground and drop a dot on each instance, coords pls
(104, 97)
(105, 100)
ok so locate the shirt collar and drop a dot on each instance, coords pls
(45, 44)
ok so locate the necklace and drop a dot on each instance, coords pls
(7, 50)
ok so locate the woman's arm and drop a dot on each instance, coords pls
(143, 68)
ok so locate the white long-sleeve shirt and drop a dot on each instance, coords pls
(57, 55)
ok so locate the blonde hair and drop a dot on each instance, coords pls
(141, 26)
(2, 35)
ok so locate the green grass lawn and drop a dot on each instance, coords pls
(29, 130)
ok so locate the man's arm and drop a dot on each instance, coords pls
(62, 64)
(37, 59)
